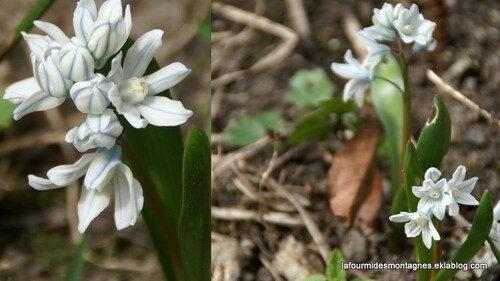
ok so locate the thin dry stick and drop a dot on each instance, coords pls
(243, 184)
(234, 214)
(279, 54)
(316, 234)
(298, 16)
(351, 27)
(31, 140)
(227, 160)
(268, 264)
(449, 90)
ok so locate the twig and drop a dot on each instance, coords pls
(267, 264)
(450, 91)
(227, 160)
(243, 184)
(31, 140)
(351, 27)
(316, 234)
(234, 214)
(298, 16)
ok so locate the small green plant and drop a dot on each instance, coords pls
(309, 88)
(334, 270)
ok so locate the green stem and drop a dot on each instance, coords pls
(406, 111)
(14, 36)
(438, 245)
(390, 82)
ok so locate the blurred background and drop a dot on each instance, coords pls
(38, 229)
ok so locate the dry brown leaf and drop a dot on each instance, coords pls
(350, 175)
(370, 209)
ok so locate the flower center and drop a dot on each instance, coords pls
(407, 29)
(455, 192)
(133, 90)
(435, 194)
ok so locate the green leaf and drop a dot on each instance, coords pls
(388, 102)
(481, 226)
(247, 130)
(413, 176)
(272, 120)
(317, 124)
(244, 131)
(194, 224)
(334, 270)
(309, 88)
(6, 110)
(494, 249)
(78, 261)
(317, 277)
(397, 236)
(435, 137)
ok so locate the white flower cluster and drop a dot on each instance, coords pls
(391, 24)
(435, 195)
(66, 67)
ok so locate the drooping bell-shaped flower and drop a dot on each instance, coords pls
(91, 96)
(103, 170)
(98, 130)
(136, 95)
(358, 74)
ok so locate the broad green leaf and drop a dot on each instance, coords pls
(317, 277)
(334, 270)
(155, 156)
(388, 102)
(78, 261)
(272, 120)
(6, 110)
(317, 124)
(397, 236)
(194, 224)
(413, 176)
(435, 137)
(309, 88)
(244, 131)
(481, 226)
(247, 130)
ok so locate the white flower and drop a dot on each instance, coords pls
(433, 197)
(99, 130)
(376, 51)
(432, 174)
(48, 88)
(104, 32)
(383, 28)
(359, 77)
(460, 190)
(495, 227)
(412, 27)
(418, 222)
(103, 170)
(429, 47)
(91, 96)
(136, 95)
(76, 62)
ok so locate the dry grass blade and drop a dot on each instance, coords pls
(234, 214)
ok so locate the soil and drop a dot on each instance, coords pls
(468, 36)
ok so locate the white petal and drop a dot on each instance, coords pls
(102, 39)
(116, 74)
(82, 19)
(403, 217)
(75, 60)
(41, 183)
(39, 101)
(467, 199)
(432, 174)
(141, 53)
(166, 77)
(65, 175)
(128, 20)
(453, 209)
(496, 211)
(91, 204)
(21, 90)
(92, 96)
(420, 191)
(162, 111)
(355, 88)
(128, 198)
(468, 185)
(53, 31)
(458, 176)
(101, 170)
(49, 77)
(36, 42)
(439, 210)
(412, 229)
(110, 10)
(427, 238)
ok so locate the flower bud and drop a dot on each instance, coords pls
(48, 74)
(91, 96)
(75, 60)
(102, 39)
(99, 130)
